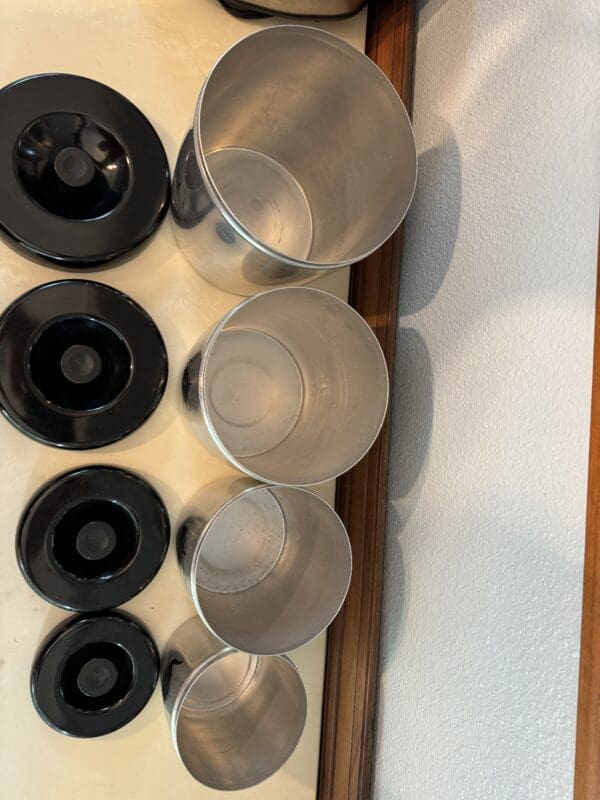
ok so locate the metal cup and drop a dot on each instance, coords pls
(234, 718)
(301, 159)
(268, 567)
(291, 387)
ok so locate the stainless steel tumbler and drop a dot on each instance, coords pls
(234, 718)
(301, 159)
(268, 567)
(291, 387)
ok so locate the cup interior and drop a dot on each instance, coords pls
(307, 145)
(251, 709)
(272, 569)
(295, 386)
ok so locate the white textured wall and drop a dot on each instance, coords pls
(491, 408)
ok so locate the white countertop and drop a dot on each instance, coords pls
(156, 54)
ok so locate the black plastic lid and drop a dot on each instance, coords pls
(94, 673)
(81, 364)
(84, 176)
(92, 538)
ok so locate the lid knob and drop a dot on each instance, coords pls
(97, 677)
(74, 167)
(80, 363)
(96, 540)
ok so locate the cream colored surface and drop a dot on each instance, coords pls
(157, 54)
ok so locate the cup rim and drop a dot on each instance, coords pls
(196, 556)
(186, 686)
(204, 410)
(216, 196)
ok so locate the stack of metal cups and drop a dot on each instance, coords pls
(300, 160)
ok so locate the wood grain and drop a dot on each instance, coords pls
(587, 753)
(348, 727)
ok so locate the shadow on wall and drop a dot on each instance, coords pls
(412, 422)
(412, 412)
(438, 198)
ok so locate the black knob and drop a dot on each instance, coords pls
(96, 540)
(80, 363)
(97, 677)
(74, 166)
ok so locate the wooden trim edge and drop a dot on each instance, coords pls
(351, 672)
(587, 750)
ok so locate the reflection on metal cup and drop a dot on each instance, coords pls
(301, 151)
(268, 567)
(220, 701)
(291, 387)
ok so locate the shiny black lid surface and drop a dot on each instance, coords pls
(92, 538)
(84, 176)
(81, 364)
(94, 673)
